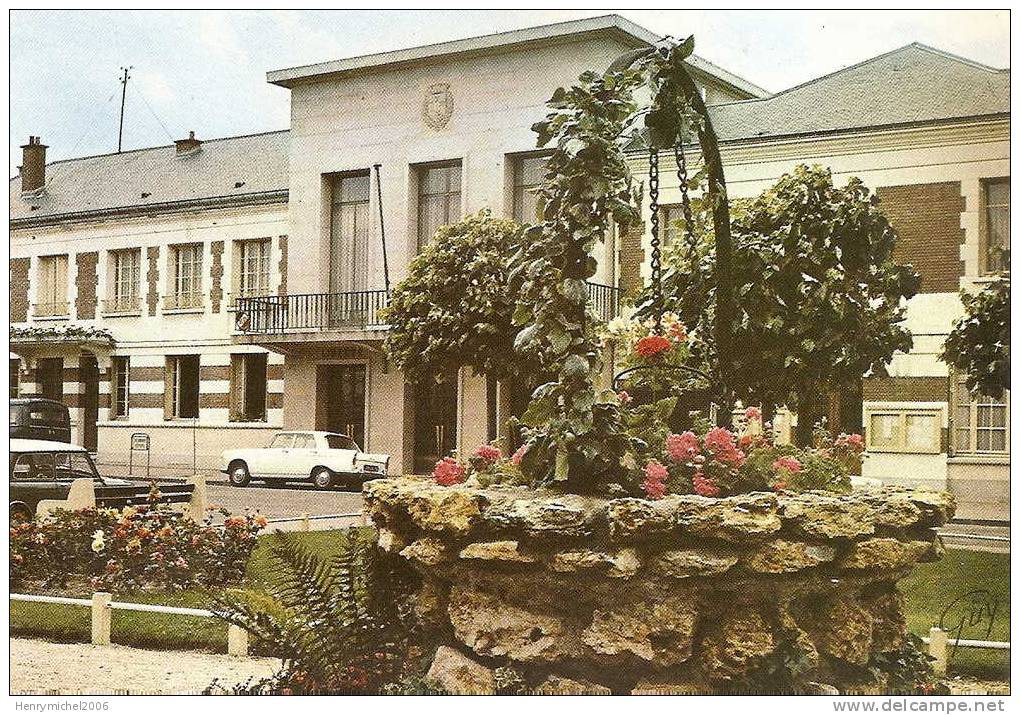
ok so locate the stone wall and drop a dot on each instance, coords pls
(685, 594)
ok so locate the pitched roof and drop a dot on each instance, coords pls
(614, 25)
(117, 182)
(913, 84)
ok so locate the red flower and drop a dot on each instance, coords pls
(719, 439)
(778, 486)
(488, 453)
(705, 486)
(752, 413)
(655, 480)
(681, 447)
(651, 345)
(625, 398)
(519, 454)
(678, 331)
(448, 472)
(787, 464)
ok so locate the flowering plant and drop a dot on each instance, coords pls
(138, 547)
(484, 467)
(448, 471)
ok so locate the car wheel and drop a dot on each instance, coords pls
(322, 478)
(20, 513)
(238, 474)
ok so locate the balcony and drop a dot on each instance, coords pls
(350, 315)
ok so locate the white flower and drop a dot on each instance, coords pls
(98, 541)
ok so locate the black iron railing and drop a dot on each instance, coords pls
(605, 300)
(273, 314)
(357, 310)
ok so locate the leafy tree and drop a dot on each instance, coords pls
(979, 342)
(819, 296)
(454, 309)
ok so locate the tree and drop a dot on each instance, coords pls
(454, 309)
(819, 296)
(979, 342)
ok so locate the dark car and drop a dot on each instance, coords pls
(37, 418)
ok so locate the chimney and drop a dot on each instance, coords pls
(33, 166)
(189, 145)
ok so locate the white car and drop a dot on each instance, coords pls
(324, 458)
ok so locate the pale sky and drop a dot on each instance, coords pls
(205, 70)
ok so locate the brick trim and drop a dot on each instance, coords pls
(18, 294)
(906, 389)
(86, 281)
(274, 400)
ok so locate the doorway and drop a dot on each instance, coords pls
(340, 404)
(49, 373)
(435, 422)
(88, 373)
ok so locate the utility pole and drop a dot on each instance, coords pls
(123, 99)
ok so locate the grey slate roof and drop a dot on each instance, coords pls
(116, 182)
(915, 83)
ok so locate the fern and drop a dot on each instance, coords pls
(335, 623)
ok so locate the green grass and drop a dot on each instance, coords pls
(931, 588)
(928, 591)
(71, 624)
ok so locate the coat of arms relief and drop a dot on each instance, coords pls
(438, 105)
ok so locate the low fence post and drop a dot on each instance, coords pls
(938, 649)
(237, 641)
(306, 523)
(101, 618)
(198, 502)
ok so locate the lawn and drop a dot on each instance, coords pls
(929, 590)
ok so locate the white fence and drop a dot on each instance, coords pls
(939, 647)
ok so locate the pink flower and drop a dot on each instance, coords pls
(625, 398)
(654, 470)
(488, 453)
(519, 454)
(682, 447)
(705, 486)
(719, 439)
(678, 331)
(448, 472)
(788, 464)
(779, 486)
(753, 414)
(655, 480)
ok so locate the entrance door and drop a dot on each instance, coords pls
(435, 422)
(341, 400)
(88, 372)
(50, 376)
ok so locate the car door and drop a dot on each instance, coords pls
(304, 456)
(271, 463)
(33, 478)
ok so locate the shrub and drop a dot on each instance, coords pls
(139, 547)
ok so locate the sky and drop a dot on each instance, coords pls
(205, 70)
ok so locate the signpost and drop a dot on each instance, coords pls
(139, 443)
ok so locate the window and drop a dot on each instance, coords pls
(125, 280)
(185, 276)
(529, 172)
(15, 376)
(671, 220)
(348, 237)
(248, 387)
(49, 373)
(304, 441)
(282, 441)
(438, 199)
(51, 295)
(340, 441)
(905, 430)
(996, 239)
(181, 393)
(251, 268)
(120, 380)
(980, 422)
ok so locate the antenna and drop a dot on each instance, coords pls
(123, 99)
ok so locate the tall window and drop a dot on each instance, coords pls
(980, 422)
(248, 387)
(120, 380)
(671, 218)
(51, 295)
(15, 375)
(996, 240)
(181, 390)
(528, 174)
(251, 277)
(438, 199)
(185, 276)
(348, 237)
(125, 280)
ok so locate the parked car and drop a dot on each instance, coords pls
(42, 469)
(324, 458)
(37, 418)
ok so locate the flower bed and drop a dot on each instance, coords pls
(140, 547)
(685, 593)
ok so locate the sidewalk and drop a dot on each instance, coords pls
(44, 668)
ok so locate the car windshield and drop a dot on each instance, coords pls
(340, 441)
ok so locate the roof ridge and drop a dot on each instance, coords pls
(164, 146)
(958, 58)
